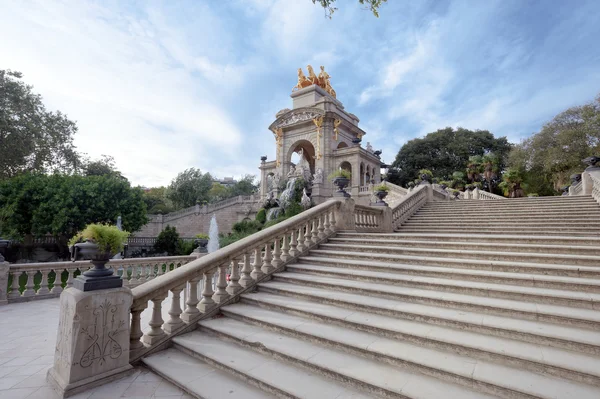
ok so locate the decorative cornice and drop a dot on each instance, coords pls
(296, 116)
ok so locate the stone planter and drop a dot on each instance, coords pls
(99, 277)
(201, 244)
(380, 196)
(341, 183)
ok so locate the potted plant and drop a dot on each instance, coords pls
(380, 191)
(426, 176)
(341, 178)
(98, 243)
(201, 242)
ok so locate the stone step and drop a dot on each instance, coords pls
(556, 198)
(483, 203)
(577, 299)
(491, 218)
(199, 379)
(481, 245)
(579, 367)
(467, 224)
(419, 255)
(502, 230)
(306, 369)
(547, 325)
(485, 376)
(276, 376)
(487, 238)
(508, 214)
(458, 271)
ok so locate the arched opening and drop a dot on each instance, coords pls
(346, 166)
(362, 174)
(302, 152)
(342, 145)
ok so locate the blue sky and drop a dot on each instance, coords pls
(167, 85)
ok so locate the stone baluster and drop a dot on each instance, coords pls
(14, 288)
(301, 247)
(57, 288)
(267, 267)
(191, 310)
(206, 304)
(125, 275)
(156, 332)
(326, 225)
(159, 269)
(136, 328)
(332, 222)
(293, 243)
(222, 295)
(246, 278)
(321, 228)
(285, 248)
(70, 277)
(175, 311)
(314, 232)
(234, 286)
(276, 261)
(44, 283)
(257, 272)
(29, 285)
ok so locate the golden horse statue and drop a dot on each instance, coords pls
(312, 77)
(302, 81)
(322, 80)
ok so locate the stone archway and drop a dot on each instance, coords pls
(308, 152)
(342, 144)
(346, 166)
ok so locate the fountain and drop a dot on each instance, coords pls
(284, 200)
(213, 235)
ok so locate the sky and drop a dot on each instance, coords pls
(163, 86)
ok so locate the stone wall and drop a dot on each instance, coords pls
(195, 220)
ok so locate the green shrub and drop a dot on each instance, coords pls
(381, 187)
(108, 238)
(202, 236)
(185, 247)
(340, 173)
(167, 241)
(274, 221)
(247, 226)
(293, 209)
(261, 215)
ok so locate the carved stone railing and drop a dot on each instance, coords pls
(364, 189)
(410, 204)
(440, 194)
(576, 189)
(395, 194)
(596, 188)
(369, 218)
(33, 281)
(484, 195)
(249, 261)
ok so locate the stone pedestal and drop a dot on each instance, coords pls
(92, 344)
(3, 282)
(344, 215)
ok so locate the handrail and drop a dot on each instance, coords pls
(576, 189)
(484, 195)
(368, 218)
(410, 204)
(269, 249)
(440, 193)
(208, 208)
(396, 188)
(596, 188)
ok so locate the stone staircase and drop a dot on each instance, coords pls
(469, 299)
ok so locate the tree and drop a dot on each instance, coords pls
(189, 187)
(372, 5)
(156, 201)
(32, 138)
(548, 158)
(167, 241)
(218, 192)
(61, 205)
(245, 186)
(105, 166)
(445, 152)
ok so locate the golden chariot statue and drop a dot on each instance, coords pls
(322, 80)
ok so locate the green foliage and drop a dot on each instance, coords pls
(105, 166)
(511, 183)
(32, 138)
(275, 221)
(328, 6)
(247, 226)
(445, 152)
(548, 158)
(340, 173)
(202, 236)
(189, 187)
(168, 241)
(185, 247)
(381, 187)
(108, 238)
(61, 205)
(427, 173)
(261, 215)
(293, 209)
(157, 202)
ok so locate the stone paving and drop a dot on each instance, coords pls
(27, 340)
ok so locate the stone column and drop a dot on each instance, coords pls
(476, 193)
(387, 225)
(586, 182)
(4, 266)
(344, 215)
(92, 344)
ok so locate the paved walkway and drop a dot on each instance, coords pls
(27, 340)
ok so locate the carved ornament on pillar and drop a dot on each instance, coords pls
(279, 142)
(336, 124)
(319, 124)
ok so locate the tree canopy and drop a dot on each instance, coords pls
(189, 187)
(548, 158)
(32, 139)
(445, 152)
(61, 205)
(329, 6)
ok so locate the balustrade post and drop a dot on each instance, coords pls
(332, 221)
(234, 286)
(136, 328)
(191, 310)
(206, 304)
(4, 266)
(70, 277)
(221, 295)
(175, 311)
(320, 228)
(246, 278)
(29, 285)
(293, 243)
(276, 261)
(257, 272)
(267, 267)
(285, 248)
(14, 288)
(43, 290)
(156, 332)
(343, 215)
(301, 247)
(326, 224)
(313, 232)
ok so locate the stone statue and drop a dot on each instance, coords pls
(302, 81)
(276, 180)
(292, 172)
(318, 176)
(369, 147)
(324, 78)
(305, 202)
(312, 77)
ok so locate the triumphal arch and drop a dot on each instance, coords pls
(324, 137)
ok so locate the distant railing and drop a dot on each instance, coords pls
(206, 208)
(484, 195)
(410, 204)
(596, 188)
(576, 189)
(439, 194)
(32, 281)
(364, 189)
(150, 241)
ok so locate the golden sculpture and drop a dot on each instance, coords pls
(322, 80)
(278, 141)
(318, 123)
(336, 123)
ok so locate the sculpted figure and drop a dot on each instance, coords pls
(302, 81)
(292, 171)
(318, 177)
(324, 78)
(312, 78)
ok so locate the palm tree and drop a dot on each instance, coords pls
(490, 169)
(511, 184)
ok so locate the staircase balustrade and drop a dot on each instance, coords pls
(596, 188)
(367, 218)
(484, 195)
(133, 272)
(410, 204)
(269, 250)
